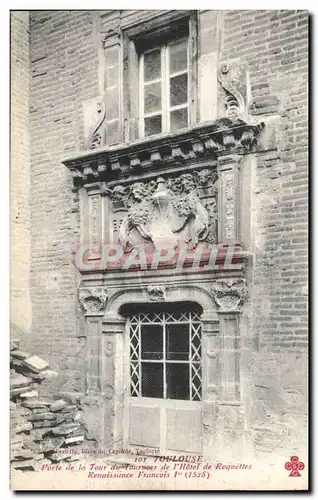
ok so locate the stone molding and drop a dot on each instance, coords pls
(183, 148)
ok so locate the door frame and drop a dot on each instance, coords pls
(163, 404)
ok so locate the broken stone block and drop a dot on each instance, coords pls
(40, 424)
(15, 450)
(58, 405)
(65, 429)
(36, 364)
(27, 426)
(25, 464)
(15, 447)
(76, 439)
(32, 403)
(21, 410)
(69, 408)
(51, 444)
(18, 391)
(68, 418)
(14, 344)
(32, 446)
(61, 418)
(19, 381)
(36, 377)
(42, 416)
(20, 354)
(23, 454)
(38, 434)
(16, 439)
(29, 394)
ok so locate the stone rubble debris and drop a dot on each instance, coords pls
(42, 431)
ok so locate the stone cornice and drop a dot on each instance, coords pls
(210, 140)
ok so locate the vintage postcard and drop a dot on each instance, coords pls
(159, 212)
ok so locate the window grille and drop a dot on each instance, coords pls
(165, 355)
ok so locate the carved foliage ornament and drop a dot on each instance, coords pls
(229, 294)
(165, 211)
(93, 300)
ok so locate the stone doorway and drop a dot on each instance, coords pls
(163, 390)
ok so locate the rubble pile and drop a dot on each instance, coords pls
(42, 431)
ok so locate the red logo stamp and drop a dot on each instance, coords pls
(294, 466)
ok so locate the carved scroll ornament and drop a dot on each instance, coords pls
(164, 212)
(95, 138)
(232, 77)
(229, 294)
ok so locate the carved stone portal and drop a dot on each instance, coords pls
(93, 300)
(229, 294)
(168, 212)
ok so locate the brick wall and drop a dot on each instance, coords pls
(64, 73)
(275, 45)
(20, 175)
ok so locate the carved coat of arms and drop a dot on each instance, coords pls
(164, 214)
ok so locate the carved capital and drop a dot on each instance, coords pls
(93, 300)
(156, 293)
(229, 294)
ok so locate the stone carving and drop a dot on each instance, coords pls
(206, 176)
(118, 193)
(156, 293)
(109, 349)
(109, 391)
(164, 212)
(93, 300)
(95, 139)
(211, 207)
(229, 293)
(232, 77)
(229, 223)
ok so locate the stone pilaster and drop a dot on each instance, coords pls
(113, 379)
(95, 220)
(93, 301)
(229, 294)
(210, 382)
(228, 196)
